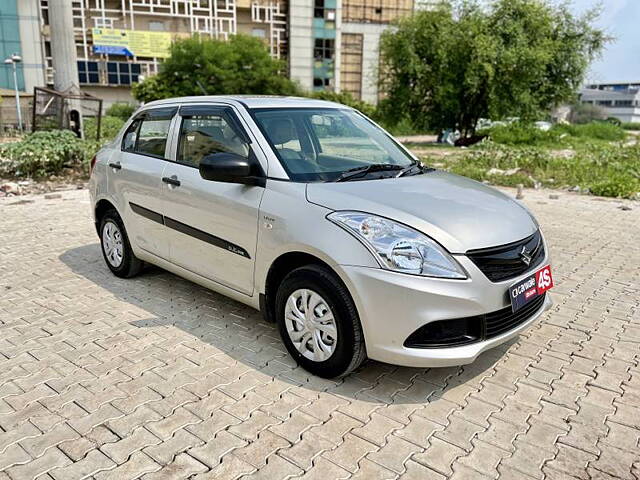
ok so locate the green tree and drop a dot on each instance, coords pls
(466, 59)
(199, 66)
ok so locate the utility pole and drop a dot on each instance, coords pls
(63, 46)
(64, 58)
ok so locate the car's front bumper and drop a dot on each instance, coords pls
(393, 305)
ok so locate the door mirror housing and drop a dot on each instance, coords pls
(232, 168)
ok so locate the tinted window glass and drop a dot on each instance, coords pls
(202, 135)
(152, 136)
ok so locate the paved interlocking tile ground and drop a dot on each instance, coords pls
(156, 377)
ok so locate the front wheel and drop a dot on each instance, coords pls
(116, 248)
(318, 322)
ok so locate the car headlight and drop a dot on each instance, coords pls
(398, 247)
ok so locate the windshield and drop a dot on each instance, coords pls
(320, 144)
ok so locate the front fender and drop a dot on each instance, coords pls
(289, 223)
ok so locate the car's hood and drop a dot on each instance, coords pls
(459, 213)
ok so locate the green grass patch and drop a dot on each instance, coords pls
(593, 131)
(631, 126)
(606, 170)
(517, 133)
(524, 134)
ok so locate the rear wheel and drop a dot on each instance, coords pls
(318, 322)
(116, 248)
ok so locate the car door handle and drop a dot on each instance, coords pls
(171, 181)
(116, 165)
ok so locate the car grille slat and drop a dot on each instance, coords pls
(505, 261)
(503, 320)
(471, 329)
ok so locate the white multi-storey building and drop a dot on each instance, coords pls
(619, 100)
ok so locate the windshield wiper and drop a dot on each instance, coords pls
(415, 164)
(362, 171)
(416, 168)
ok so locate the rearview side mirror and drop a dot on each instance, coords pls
(232, 168)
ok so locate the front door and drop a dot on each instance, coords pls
(212, 226)
(135, 177)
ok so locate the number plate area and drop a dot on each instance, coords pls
(531, 287)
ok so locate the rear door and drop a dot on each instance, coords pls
(135, 178)
(213, 226)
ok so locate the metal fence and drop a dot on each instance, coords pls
(9, 115)
(63, 110)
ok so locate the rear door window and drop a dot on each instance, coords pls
(152, 137)
(147, 134)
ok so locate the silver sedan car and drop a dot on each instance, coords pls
(313, 214)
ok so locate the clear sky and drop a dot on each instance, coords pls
(620, 61)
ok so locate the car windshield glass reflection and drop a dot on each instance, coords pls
(322, 144)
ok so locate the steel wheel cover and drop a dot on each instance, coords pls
(311, 325)
(112, 244)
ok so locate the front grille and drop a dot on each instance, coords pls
(506, 261)
(461, 331)
(496, 323)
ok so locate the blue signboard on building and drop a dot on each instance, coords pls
(112, 50)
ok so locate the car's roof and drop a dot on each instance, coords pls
(250, 101)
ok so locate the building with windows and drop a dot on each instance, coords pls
(334, 43)
(327, 44)
(20, 34)
(619, 100)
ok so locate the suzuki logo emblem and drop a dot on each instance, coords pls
(525, 256)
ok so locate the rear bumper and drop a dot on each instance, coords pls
(393, 305)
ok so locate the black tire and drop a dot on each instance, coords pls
(130, 265)
(350, 349)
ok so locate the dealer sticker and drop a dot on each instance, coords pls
(531, 287)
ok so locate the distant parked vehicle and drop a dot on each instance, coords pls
(310, 212)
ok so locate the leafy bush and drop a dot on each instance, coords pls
(346, 98)
(631, 126)
(608, 170)
(586, 113)
(404, 127)
(42, 153)
(109, 128)
(519, 133)
(121, 110)
(616, 186)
